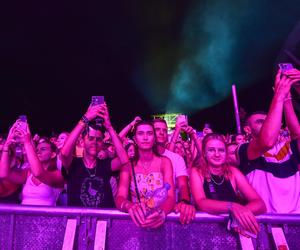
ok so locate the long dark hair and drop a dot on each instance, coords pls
(155, 150)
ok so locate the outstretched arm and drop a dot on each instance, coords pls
(122, 158)
(290, 116)
(70, 144)
(269, 132)
(51, 178)
(124, 132)
(18, 177)
(180, 123)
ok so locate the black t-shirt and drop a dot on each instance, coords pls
(280, 169)
(89, 187)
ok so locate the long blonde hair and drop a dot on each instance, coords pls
(202, 164)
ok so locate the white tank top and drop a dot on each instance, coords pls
(41, 195)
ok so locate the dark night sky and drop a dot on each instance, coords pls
(55, 55)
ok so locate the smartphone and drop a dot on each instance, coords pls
(184, 136)
(97, 100)
(206, 125)
(23, 122)
(285, 66)
(199, 134)
(182, 118)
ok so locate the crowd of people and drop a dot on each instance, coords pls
(94, 166)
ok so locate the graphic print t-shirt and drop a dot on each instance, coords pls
(86, 190)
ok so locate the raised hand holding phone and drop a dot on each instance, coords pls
(20, 126)
(285, 67)
(97, 100)
(21, 130)
(104, 115)
(181, 121)
(94, 108)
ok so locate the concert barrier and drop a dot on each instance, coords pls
(33, 227)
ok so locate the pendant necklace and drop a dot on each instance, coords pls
(88, 168)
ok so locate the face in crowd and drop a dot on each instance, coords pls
(61, 140)
(180, 149)
(239, 139)
(131, 151)
(144, 136)
(45, 151)
(231, 154)
(254, 124)
(92, 142)
(161, 132)
(214, 150)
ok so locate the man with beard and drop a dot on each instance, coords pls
(271, 165)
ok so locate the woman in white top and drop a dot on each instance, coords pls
(42, 182)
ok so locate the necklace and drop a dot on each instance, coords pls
(217, 183)
(89, 165)
(90, 174)
(146, 165)
(88, 168)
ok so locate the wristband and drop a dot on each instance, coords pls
(85, 120)
(185, 201)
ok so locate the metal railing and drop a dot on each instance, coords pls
(34, 227)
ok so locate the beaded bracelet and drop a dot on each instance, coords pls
(85, 120)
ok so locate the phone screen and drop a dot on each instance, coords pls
(285, 66)
(22, 122)
(97, 100)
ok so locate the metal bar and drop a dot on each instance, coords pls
(236, 110)
(69, 234)
(11, 232)
(100, 235)
(279, 238)
(111, 213)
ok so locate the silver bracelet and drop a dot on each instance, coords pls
(122, 205)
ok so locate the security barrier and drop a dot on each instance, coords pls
(29, 227)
